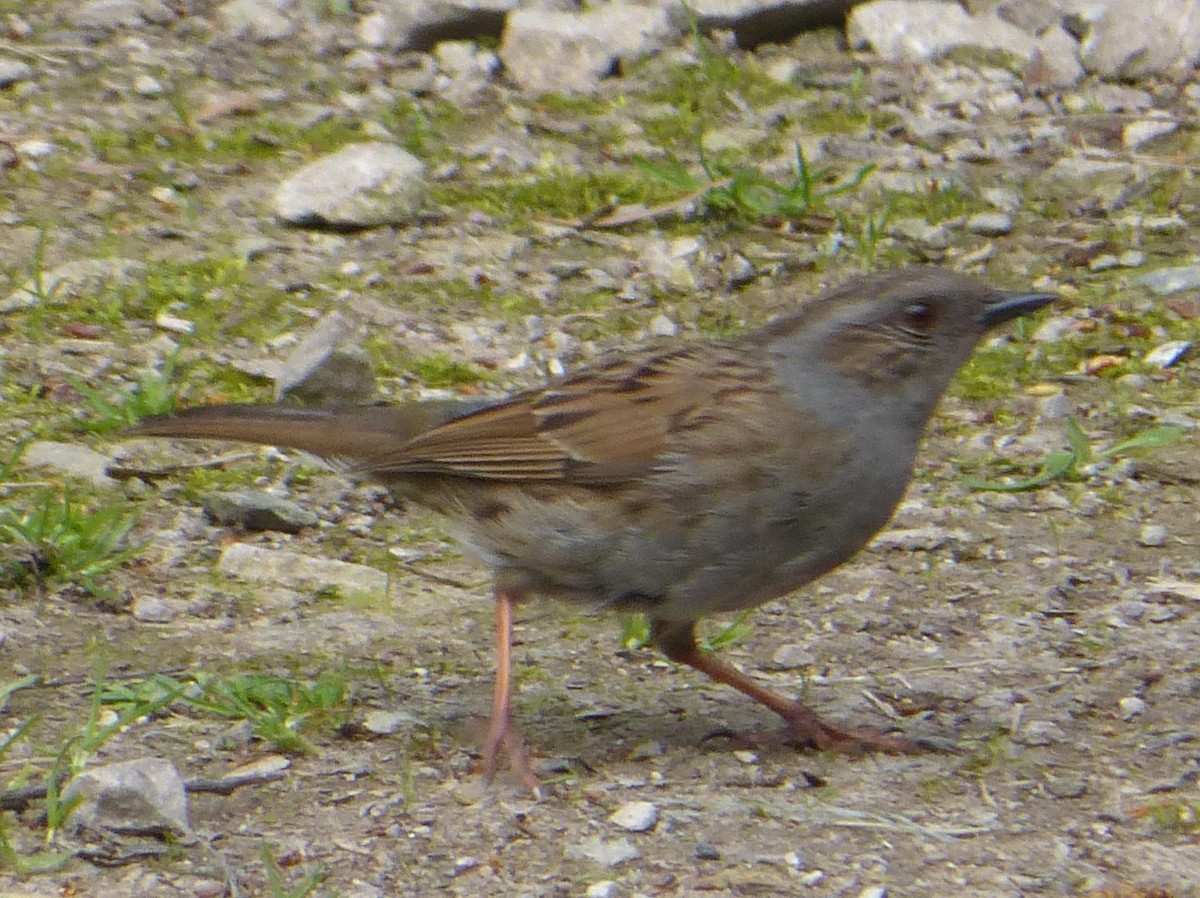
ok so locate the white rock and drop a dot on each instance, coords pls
(1153, 536)
(74, 459)
(258, 564)
(1130, 707)
(1143, 131)
(913, 30)
(1167, 354)
(607, 853)
(360, 185)
(148, 86)
(635, 816)
(264, 20)
(132, 796)
(569, 52)
(1136, 38)
(151, 610)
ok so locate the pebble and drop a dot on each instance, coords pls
(1153, 536)
(148, 86)
(606, 852)
(635, 816)
(605, 888)
(12, 71)
(386, 723)
(1167, 354)
(873, 892)
(259, 564)
(990, 224)
(1130, 707)
(706, 851)
(151, 610)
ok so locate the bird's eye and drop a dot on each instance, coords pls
(918, 316)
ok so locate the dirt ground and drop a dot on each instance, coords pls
(1034, 634)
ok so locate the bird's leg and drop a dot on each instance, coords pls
(502, 734)
(678, 642)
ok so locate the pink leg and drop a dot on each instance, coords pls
(502, 734)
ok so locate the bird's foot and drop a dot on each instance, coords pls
(503, 738)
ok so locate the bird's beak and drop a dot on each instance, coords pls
(1013, 305)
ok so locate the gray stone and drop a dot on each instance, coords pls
(1055, 61)
(13, 70)
(327, 367)
(910, 30)
(569, 52)
(1153, 536)
(635, 816)
(1166, 281)
(1141, 132)
(359, 186)
(1130, 707)
(257, 511)
(606, 852)
(264, 20)
(386, 723)
(1167, 354)
(151, 609)
(1138, 38)
(1075, 176)
(990, 224)
(73, 459)
(142, 796)
(258, 564)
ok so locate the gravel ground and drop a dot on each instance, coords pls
(1050, 636)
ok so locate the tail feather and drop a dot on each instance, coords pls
(361, 434)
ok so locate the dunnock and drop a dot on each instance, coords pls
(708, 477)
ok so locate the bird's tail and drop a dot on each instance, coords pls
(361, 433)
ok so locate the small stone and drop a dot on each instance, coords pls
(151, 610)
(464, 864)
(1066, 786)
(257, 511)
(662, 326)
(386, 723)
(635, 816)
(73, 459)
(13, 71)
(605, 888)
(37, 149)
(746, 756)
(174, 323)
(148, 86)
(874, 892)
(990, 224)
(1153, 536)
(145, 795)
(258, 564)
(360, 186)
(1130, 707)
(1167, 354)
(1040, 732)
(793, 657)
(606, 852)
(706, 851)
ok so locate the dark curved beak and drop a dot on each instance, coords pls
(1014, 305)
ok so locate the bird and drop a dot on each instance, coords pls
(680, 481)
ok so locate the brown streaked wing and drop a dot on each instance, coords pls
(603, 425)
